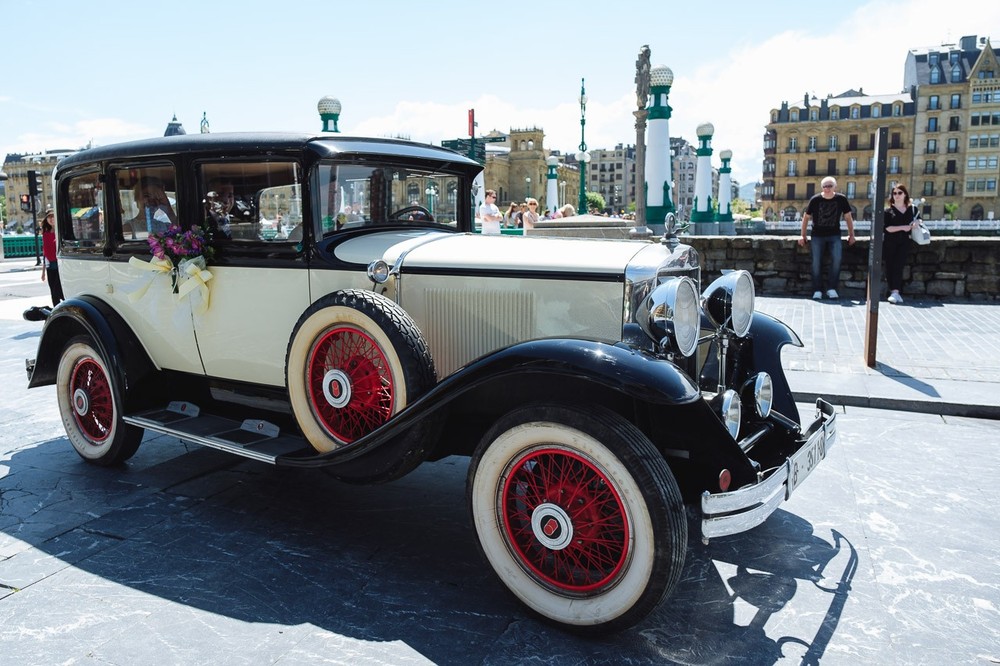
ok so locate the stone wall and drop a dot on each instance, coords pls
(950, 268)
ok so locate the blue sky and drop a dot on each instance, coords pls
(111, 71)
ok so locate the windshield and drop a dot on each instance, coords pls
(352, 196)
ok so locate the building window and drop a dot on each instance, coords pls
(855, 112)
(832, 143)
(933, 103)
(897, 110)
(793, 144)
(931, 146)
(835, 113)
(932, 59)
(932, 124)
(894, 164)
(792, 168)
(795, 115)
(813, 114)
(876, 110)
(928, 188)
(930, 166)
(952, 145)
(812, 144)
(953, 124)
(935, 75)
(851, 189)
(949, 188)
(956, 101)
(852, 166)
(956, 74)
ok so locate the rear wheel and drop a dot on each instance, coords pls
(578, 514)
(90, 407)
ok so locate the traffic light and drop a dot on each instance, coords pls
(26, 203)
(32, 182)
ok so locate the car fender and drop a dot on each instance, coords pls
(769, 336)
(112, 336)
(636, 375)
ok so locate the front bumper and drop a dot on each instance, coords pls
(743, 509)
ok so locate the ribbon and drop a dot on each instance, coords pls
(196, 277)
(151, 268)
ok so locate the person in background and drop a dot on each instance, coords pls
(510, 217)
(568, 210)
(50, 263)
(824, 211)
(489, 214)
(900, 217)
(530, 217)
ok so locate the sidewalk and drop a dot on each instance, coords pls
(931, 356)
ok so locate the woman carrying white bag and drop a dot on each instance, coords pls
(902, 223)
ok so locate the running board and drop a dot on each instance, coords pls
(253, 438)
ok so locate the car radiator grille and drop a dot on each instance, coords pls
(462, 325)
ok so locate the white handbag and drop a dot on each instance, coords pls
(920, 234)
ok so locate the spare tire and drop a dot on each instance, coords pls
(355, 359)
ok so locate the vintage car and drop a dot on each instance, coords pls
(325, 300)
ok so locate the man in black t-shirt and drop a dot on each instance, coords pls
(824, 211)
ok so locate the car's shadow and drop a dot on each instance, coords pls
(392, 563)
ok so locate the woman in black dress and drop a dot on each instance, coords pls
(900, 217)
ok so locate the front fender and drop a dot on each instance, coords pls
(618, 368)
(769, 336)
(112, 337)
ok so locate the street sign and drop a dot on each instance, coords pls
(493, 139)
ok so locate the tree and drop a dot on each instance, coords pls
(950, 209)
(595, 201)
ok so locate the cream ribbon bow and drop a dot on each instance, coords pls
(152, 268)
(196, 278)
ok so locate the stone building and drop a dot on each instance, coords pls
(943, 136)
(516, 169)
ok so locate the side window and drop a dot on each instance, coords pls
(84, 227)
(147, 200)
(251, 201)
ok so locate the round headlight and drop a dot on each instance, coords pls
(378, 271)
(670, 314)
(760, 392)
(729, 302)
(730, 411)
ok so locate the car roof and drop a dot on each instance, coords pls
(323, 145)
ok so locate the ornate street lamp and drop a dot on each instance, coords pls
(583, 156)
(431, 192)
(527, 186)
(329, 113)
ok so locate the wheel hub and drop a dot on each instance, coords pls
(551, 526)
(81, 402)
(336, 388)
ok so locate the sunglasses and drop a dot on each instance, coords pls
(827, 187)
(895, 192)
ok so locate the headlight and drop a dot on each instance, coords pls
(378, 271)
(727, 406)
(759, 392)
(669, 315)
(729, 302)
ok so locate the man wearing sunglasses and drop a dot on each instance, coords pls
(824, 211)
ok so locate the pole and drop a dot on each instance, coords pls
(583, 151)
(875, 248)
(640, 230)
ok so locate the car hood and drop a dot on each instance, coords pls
(516, 253)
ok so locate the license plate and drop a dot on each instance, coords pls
(805, 460)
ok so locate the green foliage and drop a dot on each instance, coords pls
(950, 209)
(740, 206)
(595, 201)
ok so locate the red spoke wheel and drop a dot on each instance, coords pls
(354, 361)
(578, 515)
(88, 405)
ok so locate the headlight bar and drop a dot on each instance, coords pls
(670, 315)
(729, 302)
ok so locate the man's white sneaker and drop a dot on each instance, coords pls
(817, 295)
(895, 298)
(832, 293)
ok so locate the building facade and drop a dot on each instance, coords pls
(516, 169)
(943, 139)
(611, 173)
(957, 129)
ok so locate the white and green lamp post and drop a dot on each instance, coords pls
(329, 113)
(583, 156)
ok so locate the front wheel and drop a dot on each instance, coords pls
(90, 408)
(578, 515)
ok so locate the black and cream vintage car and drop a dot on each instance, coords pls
(325, 300)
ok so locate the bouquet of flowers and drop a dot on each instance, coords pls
(176, 245)
(183, 255)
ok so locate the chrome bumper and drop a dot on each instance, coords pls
(743, 509)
